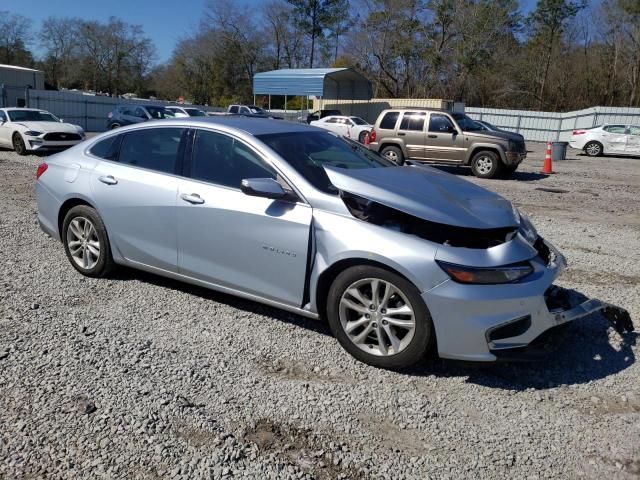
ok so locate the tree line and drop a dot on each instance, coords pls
(561, 55)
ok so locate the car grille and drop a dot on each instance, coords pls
(61, 137)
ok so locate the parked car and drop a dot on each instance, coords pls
(607, 140)
(492, 128)
(438, 136)
(251, 111)
(130, 114)
(350, 127)
(30, 129)
(173, 111)
(397, 259)
(318, 115)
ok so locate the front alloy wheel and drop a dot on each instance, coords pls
(379, 317)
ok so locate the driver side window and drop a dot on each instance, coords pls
(440, 123)
(221, 159)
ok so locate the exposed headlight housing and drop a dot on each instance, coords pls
(32, 133)
(486, 276)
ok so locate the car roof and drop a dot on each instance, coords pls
(425, 109)
(252, 126)
(11, 109)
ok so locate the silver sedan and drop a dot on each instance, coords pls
(398, 260)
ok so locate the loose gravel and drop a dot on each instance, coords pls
(141, 377)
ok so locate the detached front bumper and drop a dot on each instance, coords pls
(489, 322)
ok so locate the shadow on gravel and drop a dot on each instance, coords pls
(578, 352)
(127, 274)
(518, 176)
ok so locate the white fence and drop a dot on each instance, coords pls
(551, 126)
(88, 111)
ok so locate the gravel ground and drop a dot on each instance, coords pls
(142, 377)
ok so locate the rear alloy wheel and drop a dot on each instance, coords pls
(593, 149)
(486, 164)
(86, 243)
(379, 317)
(18, 144)
(393, 154)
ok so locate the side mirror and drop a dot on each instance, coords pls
(263, 187)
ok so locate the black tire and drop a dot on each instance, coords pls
(486, 164)
(114, 126)
(593, 149)
(361, 137)
(104, 264)
(18, 144)
(393, 154)
(416, 347)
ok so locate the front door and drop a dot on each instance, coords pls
(615, 139)
(633, 141)
(136, 195)
(444, 142)
(411, 131)
(252, 244)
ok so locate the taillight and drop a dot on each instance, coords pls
(41, 169)
(372, 137)
(579, 132)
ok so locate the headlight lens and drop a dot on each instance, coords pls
(486, 276)
(32, 133)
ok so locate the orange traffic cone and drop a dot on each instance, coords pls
(547, 168)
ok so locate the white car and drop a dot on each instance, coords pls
(29, 129)
(607, 140)
(351, 127)
(185, 111)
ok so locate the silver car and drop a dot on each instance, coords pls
(398, 259)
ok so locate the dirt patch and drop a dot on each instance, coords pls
(603, 405)
(600, 278)
(293, 371)
(394, 435)
(300, 447)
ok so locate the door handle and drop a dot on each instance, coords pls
(108, 180)
(401, 134)
(433, 136)
(192, 198)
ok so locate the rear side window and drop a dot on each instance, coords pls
(634, 130)
(615, 129)
(153, 148)
(440, 123)
(221, 159)
(107, 148)
(389, 120)
(233, 109)
(413, 121)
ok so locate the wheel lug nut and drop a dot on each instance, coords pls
(372, 307)
(374, 325)
(367, 316)
(384, 310)
(384, 322)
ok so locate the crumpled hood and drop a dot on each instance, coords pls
(49, 127)
(427, 193)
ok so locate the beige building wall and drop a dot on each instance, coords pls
(370, 109)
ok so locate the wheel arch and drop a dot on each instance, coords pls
(329, 274)
(477, 148)
(68, 205)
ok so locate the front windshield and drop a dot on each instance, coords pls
(308, 152)
(31, 116)
(358, 121)
(255, 109)
(156, 112)
(466, 123)
(194, 112)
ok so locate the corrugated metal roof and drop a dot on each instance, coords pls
(15, 67)
(336, 83)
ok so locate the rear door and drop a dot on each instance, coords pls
(135, 190)
(252, 244)
(633, 141)
(411, 131)
(615, 138)
(443, 143)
